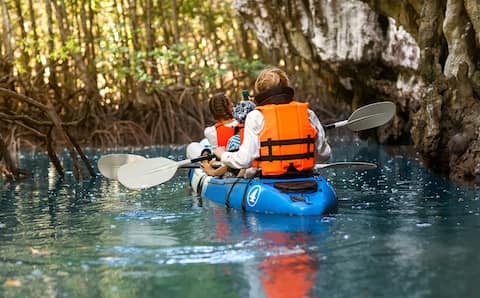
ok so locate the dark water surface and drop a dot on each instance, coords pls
(399, 231)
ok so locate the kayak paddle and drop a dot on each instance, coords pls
(150, 172)
(108, 164)
(366, 117)
(145, 173)
(353, 165)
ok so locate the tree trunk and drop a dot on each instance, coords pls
(245, 43)
(52, 64)
(54, 121)
(167, 34)
(25, 56)
(8, 39)
(36, 48)
(151, 66)
(92, 94)
(176, 34)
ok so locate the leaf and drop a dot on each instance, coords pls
(40, 252)
(13, 283)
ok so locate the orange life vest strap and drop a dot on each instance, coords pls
(270, 143)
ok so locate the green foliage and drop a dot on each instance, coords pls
(206, 56)
(66, 51)
(250, 66)
(191, 8)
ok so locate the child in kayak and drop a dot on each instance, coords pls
(220, 106)
(239, 112)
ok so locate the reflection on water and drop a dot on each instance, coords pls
(399, 231)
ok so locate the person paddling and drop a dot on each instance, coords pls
(282, 136)
(239, 112)
(220, 106)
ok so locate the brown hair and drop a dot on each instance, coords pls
(271, 77)
(219, 105)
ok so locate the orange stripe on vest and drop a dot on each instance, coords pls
(287, 139)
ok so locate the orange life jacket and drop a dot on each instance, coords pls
(223, 133)
(287, 139)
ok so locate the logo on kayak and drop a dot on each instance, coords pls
(254, 195)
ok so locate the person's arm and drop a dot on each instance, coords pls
(323, 150)
(211, 135)
(207, 168)
(249, 149)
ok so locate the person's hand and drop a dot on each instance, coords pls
(218, 152)
(207, 168)
(205, 152)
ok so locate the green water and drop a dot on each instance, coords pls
(399, 231)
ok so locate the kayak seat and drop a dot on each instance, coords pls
(297, 186)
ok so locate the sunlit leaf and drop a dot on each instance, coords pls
(39, 252)
(13, 283)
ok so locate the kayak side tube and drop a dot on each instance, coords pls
(265, 196)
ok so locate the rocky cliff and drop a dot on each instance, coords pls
(422, 55)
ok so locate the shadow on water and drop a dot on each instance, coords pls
(398, 231)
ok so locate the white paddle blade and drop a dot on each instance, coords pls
(147, 173)
(372, 115)
(108, 165)
(352, 165)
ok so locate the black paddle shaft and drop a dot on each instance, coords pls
(205, 157)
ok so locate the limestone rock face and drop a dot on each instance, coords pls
(421, 54)
(332, 31)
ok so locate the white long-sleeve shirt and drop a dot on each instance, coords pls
(250, 148)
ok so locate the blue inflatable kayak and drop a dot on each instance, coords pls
(298, 196)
